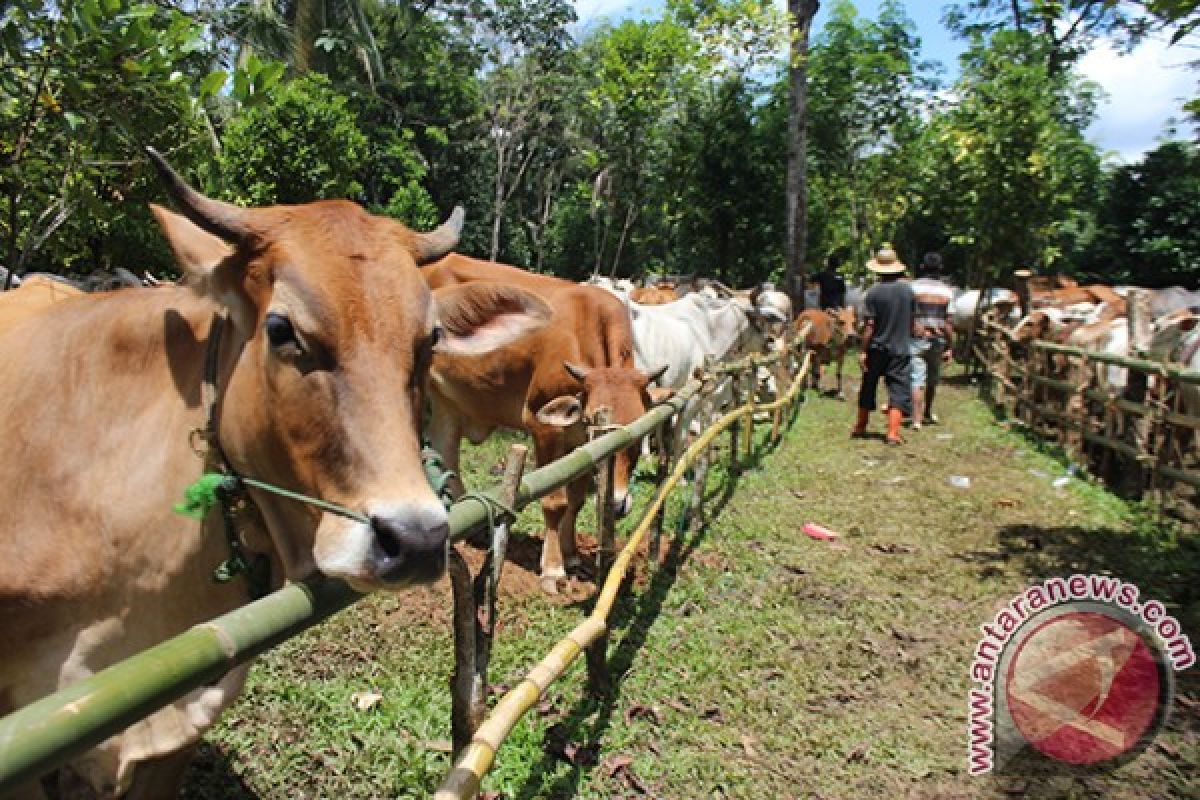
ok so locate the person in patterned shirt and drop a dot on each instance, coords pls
(932, 344)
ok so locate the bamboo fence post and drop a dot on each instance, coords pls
(751, 397)
(666, 439)
(700, 473)
(1078, 439)
(734, 450)
(475, 614)
(462, 682)
(597, 653)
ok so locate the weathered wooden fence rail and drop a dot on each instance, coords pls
(1140, 438)
(49, 732)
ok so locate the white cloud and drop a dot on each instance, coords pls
(1145, 89)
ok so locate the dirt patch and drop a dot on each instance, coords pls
(519, 579)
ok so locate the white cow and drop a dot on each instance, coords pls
(962, 309)
(682, 333)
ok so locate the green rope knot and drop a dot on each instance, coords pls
(438, 476)
(201, 496)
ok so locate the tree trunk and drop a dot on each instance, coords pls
(801, 13)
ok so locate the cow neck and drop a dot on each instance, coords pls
(230, 494)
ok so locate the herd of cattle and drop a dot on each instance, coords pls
(301, 347)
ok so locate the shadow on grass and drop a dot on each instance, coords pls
(583, 728)
(211, 777)
(1161, 561)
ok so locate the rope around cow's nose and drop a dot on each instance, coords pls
(201, 496)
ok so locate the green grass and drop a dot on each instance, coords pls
(756, 662)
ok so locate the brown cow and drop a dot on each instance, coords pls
(315, 387)
(550, 383)
(828, 337)
(35, 294)
(654, 295)
(1114, 305)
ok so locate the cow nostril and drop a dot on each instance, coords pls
(385, 534)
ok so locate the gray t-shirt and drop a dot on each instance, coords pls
(892, 306)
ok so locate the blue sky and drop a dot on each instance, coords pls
(1143, 90)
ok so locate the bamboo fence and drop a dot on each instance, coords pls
(1139, 439)
(51, 731)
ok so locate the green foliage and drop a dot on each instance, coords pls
(302, 144)
(84, 86)
(1149, 223)
(1015, 164)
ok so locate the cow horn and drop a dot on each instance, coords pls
(654, 374)
(578, 373)
(441, 240)
(220, 219)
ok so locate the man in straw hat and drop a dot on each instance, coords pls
(890, 306)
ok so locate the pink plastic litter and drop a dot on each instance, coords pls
(820, 532)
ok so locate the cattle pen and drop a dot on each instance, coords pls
(49, 732)
(1140, 439)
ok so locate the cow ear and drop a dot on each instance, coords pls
(196, 250)
(478, 318)
(561, 412)
(659, 394)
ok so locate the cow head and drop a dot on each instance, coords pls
(622, 394)
(845, 321)
(333, 329)
(1171, 332)
(1034, 325)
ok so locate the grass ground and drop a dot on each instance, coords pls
(756, 662)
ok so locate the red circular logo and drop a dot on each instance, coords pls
(1083, 688)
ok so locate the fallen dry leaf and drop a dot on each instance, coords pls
(365, 701)
(892, 548)
(637, 711)
(439, 745)
(1006, 502)
(748, 743)
(859, 753)
(615, 763)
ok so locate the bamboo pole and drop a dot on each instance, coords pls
(48, 732)
(599, 681)
(464, 779)
(749, 399)
(1142, 365)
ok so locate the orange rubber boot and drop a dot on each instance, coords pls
(860, 425)
(895, 419)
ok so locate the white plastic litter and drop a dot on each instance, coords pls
(959, 481)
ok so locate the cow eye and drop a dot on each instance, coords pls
(281, 334)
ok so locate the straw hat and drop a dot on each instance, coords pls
(886, 262)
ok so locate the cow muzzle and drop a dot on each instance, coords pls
(621, 504)
(404, 545)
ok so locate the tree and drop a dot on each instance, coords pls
(1014, 164)
(83, 87)
(1066, 28)
(801, 16)
(302, 145)
(870, 92)
(1148, 227)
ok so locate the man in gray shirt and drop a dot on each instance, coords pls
(887, 343)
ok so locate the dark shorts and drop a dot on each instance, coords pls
(896, 371)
